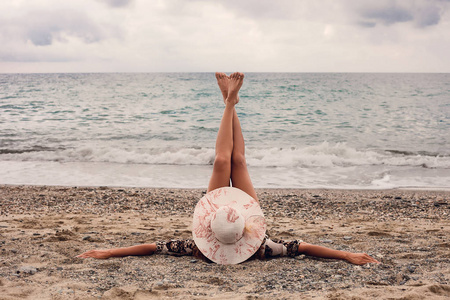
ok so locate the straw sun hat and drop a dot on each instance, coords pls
(228, 226)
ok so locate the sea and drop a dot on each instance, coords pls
(302, 130)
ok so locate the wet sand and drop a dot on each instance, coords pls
(43, 228)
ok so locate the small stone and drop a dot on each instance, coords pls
(193, 261)
(13, 250)
(28, 270)
(87, 238)
(326, 241)
(347, 238)
(411, 268)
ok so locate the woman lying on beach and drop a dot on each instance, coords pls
(229, 226)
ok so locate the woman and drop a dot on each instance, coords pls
(230, 165)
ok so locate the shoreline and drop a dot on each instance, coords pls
(43, 228)
(423, 189)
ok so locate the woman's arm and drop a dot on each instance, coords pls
(145, 249)
(323, 252)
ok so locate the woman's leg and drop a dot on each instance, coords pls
(224, 143)
(240, 177)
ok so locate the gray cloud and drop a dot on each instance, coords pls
(34, 56)
(263, 9)
(428, 16)
(419, 13)
(367, 24)
(30, 37)
(388, 15)
(43, 28)
(117, 3)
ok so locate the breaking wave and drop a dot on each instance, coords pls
(322, 155)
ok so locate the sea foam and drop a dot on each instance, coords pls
(323, 155)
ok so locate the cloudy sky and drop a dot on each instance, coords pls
(228, 35)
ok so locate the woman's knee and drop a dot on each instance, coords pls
(222, 162)
(238, 160)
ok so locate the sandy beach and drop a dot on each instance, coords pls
(43, 228)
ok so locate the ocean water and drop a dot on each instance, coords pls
(359, 131)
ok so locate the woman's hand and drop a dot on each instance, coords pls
(360, 258)
(99, 254)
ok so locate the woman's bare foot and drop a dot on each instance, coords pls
(222, 81)
(234, 85)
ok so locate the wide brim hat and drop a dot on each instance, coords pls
(228, 226)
